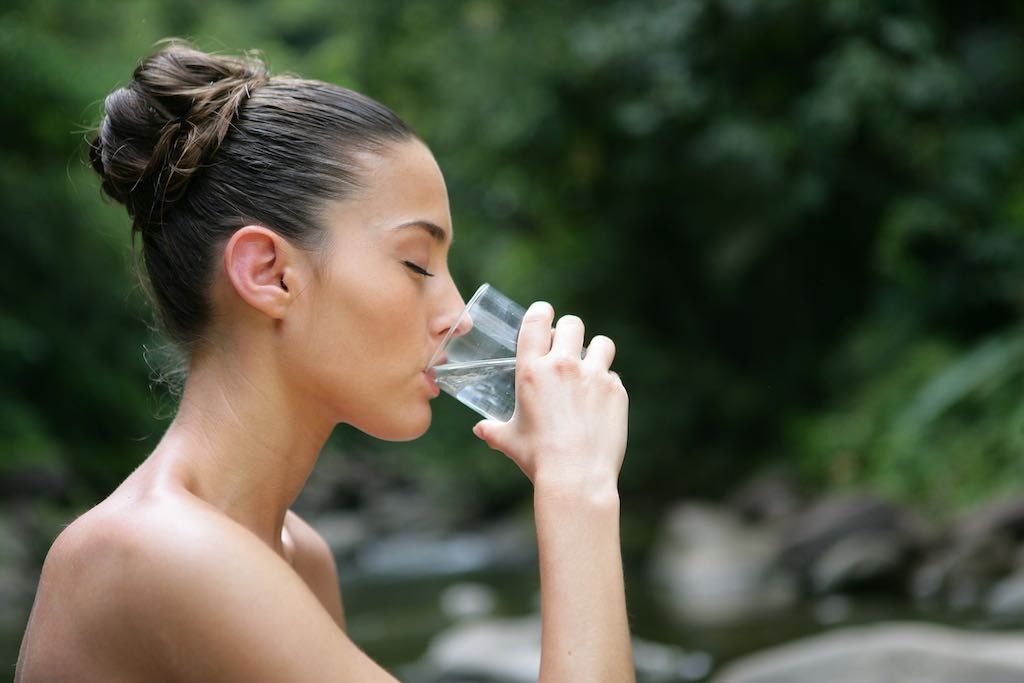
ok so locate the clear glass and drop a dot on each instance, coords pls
(476, 362)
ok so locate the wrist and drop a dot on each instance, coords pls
(576, 493)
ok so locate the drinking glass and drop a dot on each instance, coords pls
(476, 362)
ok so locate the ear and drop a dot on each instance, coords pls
(260, 264)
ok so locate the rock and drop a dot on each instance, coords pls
(854, 541)
(714, 568)
(858, 559)
(983, 547)
(17, 576)
(17, 586)
(961, 571)
(418, 554)
(1002, 516)
(508, 651)
(832, 609)
(343, 531)
(35, 482)
(467, 599)
(769, 497)
(402, 509)
(1005, 600)
(660, 663)
(426, 554)
(389, 501)
(339, 481)
(887, 653)
(12, 546)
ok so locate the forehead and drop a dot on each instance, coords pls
(401, 185)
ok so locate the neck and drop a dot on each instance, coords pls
(242, 441)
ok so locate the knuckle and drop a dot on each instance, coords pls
(566, 367)
(527, 374)
(534, 318)
(570, 320)
(539, 312)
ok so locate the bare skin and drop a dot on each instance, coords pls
(194, 569)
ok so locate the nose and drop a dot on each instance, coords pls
(449, 314)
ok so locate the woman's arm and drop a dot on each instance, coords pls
(583, 606)
(569, 436)
(314, 562)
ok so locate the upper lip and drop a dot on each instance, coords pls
(439, 359)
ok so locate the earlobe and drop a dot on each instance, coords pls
(256, 260)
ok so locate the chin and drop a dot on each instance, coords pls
(406, 426)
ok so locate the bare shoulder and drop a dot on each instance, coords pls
(170, 589)
(314, 562)
(122, 574)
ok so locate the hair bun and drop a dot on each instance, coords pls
(160, 129)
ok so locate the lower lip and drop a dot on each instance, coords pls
(428, 375)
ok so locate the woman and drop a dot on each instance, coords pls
(295, 238)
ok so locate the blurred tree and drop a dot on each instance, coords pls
(801, 220)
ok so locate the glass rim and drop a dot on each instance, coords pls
(451, 330)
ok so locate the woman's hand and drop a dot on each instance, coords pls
(569, 425)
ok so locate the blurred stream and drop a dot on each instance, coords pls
(394, 619)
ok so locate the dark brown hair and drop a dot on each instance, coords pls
(198, 145)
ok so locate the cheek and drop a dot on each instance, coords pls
(373, 321)
(378, 315)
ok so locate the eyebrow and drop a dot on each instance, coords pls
(439, 234)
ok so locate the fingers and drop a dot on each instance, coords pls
(568, 337)
(536, 338)
(600, 353)
(535, 333)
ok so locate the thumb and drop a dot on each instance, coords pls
(489, 432)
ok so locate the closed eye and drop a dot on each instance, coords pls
(417, 269)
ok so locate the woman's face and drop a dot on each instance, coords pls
(370, 319)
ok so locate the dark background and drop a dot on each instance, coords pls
(802, 221)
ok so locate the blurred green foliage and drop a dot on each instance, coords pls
(801, 220)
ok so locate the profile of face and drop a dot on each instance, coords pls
(338, 287)
(379, 299)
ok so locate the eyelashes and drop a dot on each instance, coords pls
(417, 269)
